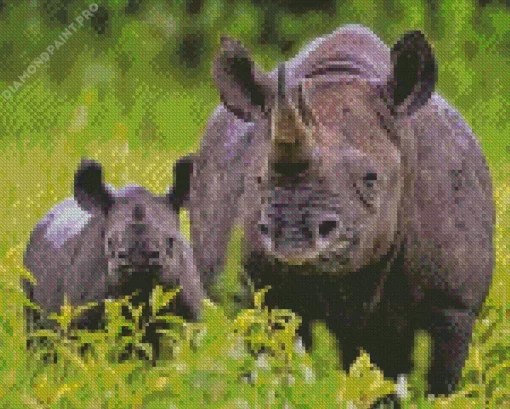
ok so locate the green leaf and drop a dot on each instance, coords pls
(161, 298)
(494, 372)
(259, 297)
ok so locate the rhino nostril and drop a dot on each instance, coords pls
(122, 254)
(152, 254)
(326, 227)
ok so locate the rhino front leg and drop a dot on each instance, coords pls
(450, 330)
(212, 220)
(191, 295)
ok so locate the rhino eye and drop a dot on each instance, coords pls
(170, 243)
(122, 254)
(369, 179)
(367, 191)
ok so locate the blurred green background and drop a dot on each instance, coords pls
(132, 88)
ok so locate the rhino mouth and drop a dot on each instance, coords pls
(336, 254)
(137, 279)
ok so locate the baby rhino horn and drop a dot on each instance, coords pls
(138, 213)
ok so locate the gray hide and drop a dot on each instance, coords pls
(108, 243)
(365, 197)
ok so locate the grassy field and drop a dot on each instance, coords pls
(123, 100)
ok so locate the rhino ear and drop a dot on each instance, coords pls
(90, 192)
(179, 193)
(414, 74)
(244, 88)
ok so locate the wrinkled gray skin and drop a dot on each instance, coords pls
(365, 197)
(108, 243)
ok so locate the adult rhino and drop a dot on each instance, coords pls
(365, 198)
(109, 243)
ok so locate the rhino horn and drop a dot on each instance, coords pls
(290, 134)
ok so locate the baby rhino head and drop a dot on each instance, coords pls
(140, 236)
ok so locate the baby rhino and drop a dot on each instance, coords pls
(108, 243)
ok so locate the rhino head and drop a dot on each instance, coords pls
(340, 157)
(140, 236)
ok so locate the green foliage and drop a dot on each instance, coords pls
(220, 362)
(487, 370)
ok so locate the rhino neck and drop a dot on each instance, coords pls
(357, 295)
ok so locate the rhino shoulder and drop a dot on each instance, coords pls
(454, 212)
(445, 142)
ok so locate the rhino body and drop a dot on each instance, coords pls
(365, 198)
(106, 242)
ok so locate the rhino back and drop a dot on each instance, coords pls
(56, 250)
(63, 222)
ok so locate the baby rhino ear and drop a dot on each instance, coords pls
(89, 190)
(414, 74)
(183, 171)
